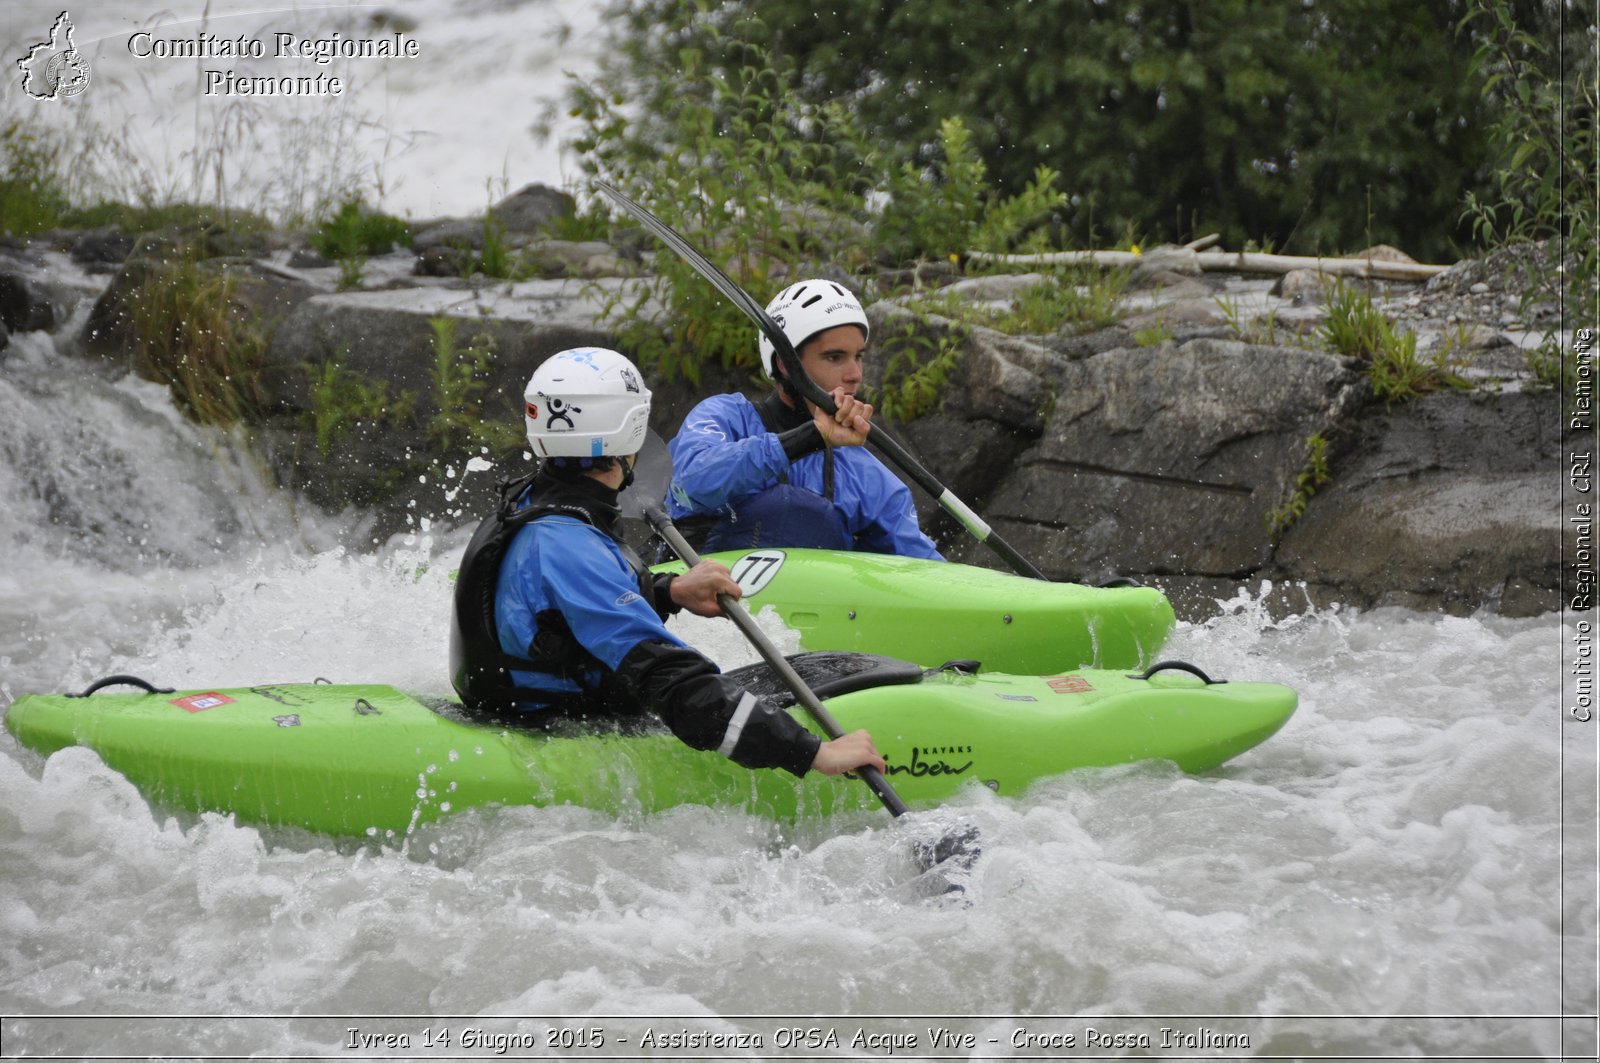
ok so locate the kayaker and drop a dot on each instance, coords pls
(554, 613)
(782, 472)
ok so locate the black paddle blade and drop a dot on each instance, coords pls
(730, 289)
(948, 859)
(652, 475)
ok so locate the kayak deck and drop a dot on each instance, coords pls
(930, 612)
(364, 760)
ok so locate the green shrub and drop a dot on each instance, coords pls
(193, 336)
(33, 194)
(354, 231)
(1545, 171)
(341, 398)
(743, 158)
(459, 387)
(1356, 328)
(917, 368)
(1077, 299)
(949, 208)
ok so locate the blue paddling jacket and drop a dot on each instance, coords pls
(762, 476)
(554, 613)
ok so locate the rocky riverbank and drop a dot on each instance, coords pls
(1201, 441)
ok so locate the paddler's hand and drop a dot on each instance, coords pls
(848, 425)
(847, 753)
(697, 589)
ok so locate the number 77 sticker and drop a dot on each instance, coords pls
(755, 570)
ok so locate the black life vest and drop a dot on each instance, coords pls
(480, 670)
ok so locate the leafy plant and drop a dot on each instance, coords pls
(948, 208)
(1399, 374)
(580, 226)
(495, 259)
(1312, 476)
(1545, 169)
(355, 230)
(459, 385)
(194, 336)
(917, 369)
(1154, 336)
(1078, 300)
(341, 398)
(741, 157)
(1085, 300)
(1238, 116)
(1356, 328)
(33, 194)
(354, 233)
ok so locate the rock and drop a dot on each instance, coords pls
(306, 258)
(1303, 285)
(24, 305)
(1184, 315)
(1384, 253)
(103, 249)
(566, 258)
(443, 261)
(1445, 502)
(532, 209)
(1167, 459)
(936, 274)
(1165, 260)
(1004, 287)
(1176, 285)
(450, 233)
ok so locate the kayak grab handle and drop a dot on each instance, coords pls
(1177, 666)
(122, 680)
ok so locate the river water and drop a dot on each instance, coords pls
(1406, 870)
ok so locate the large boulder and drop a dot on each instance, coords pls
(1451, 501)
(1168, 459)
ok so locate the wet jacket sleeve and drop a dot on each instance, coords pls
(721, 454)
(598, 594)
(585, 577)
(707, 710)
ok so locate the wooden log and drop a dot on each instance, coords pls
(1232, 262)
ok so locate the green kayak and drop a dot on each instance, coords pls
(932, 611)
(373, 761)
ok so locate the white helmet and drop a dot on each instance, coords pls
(802, 310)
(587, 402)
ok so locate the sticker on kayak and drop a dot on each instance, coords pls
(202, 702)
(755, 570)
(1068, 684)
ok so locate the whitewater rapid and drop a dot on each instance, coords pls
(1416, 843)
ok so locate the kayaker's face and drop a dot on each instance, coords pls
(835, 358)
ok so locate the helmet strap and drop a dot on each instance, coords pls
(786, 388)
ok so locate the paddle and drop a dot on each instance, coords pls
(879, 437)
(651, 476)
